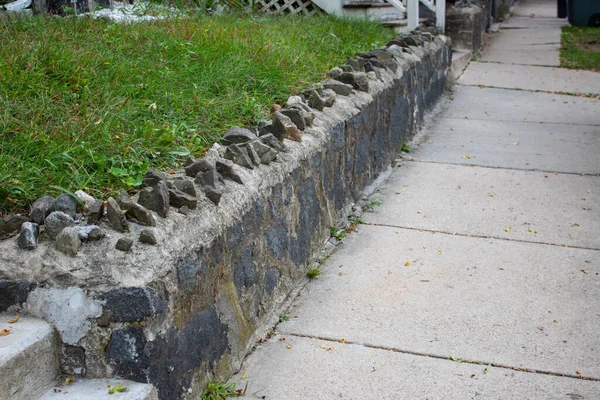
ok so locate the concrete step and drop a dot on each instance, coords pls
(387, 13)
(365, 4)
(98, 389)
(29, 360)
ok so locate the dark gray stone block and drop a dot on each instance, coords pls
(124, 244)
(244, 270)
(141, 215)
(237, 135)
(14, 292)
(56, 222)
(95, 212)
(65, 203)
(271, 278)
(41, 208)
(116, 216)
(156, 198)
(126, 352)
(201, 165)
(28, 237)
(132, 304)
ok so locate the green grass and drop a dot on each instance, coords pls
(580, 48)
(87, 104)
(219, 391)
(313, 272)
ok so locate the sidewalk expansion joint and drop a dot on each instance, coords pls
(574, 94)
(505, 168)
(446, 358)
(481, 236)
(521, 64)
(519, 121)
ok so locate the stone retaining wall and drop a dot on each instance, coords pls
(189, 308)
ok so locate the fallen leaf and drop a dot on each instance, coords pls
(6, 331)
(323, 346)
(485, 370)
(341, 273)
(571, 225)
(466, 157)
(329, 348)
(472, 376)
(508, 229)
(342, 340)
(288, 346)
(244, 376)
(585, 271)
(12, 321)
(515, 143)
(408, 264)
(69, 380)
(281, 339)
(578, 372)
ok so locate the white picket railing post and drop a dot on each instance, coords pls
(412, 11)
(440, 14)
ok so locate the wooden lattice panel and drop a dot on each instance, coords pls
(288, 7)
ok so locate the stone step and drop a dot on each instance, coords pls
(98, 389)
(29, 360)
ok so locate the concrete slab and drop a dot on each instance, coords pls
(526, 77)
(524, 46)
(563, 209)
(97, 389)
(307, 371)
(28, 357)
(547, 55)
(479, 299)
(521, 145)
(516, 22)
(536, 9)
(470, 102)
(516, 38)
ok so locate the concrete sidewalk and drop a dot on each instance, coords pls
(479, 275)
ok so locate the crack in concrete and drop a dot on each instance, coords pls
(446, 358)
(512, 63)
(520, 121)
(480, 236)
(505, 168)
(574, 94)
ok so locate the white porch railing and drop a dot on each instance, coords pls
(411, 8)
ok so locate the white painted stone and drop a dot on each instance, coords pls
(68, 310)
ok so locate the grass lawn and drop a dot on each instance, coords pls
(580, 48)
(88, 104)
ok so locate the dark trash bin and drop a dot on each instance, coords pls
(584, 12)
(561, 8)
